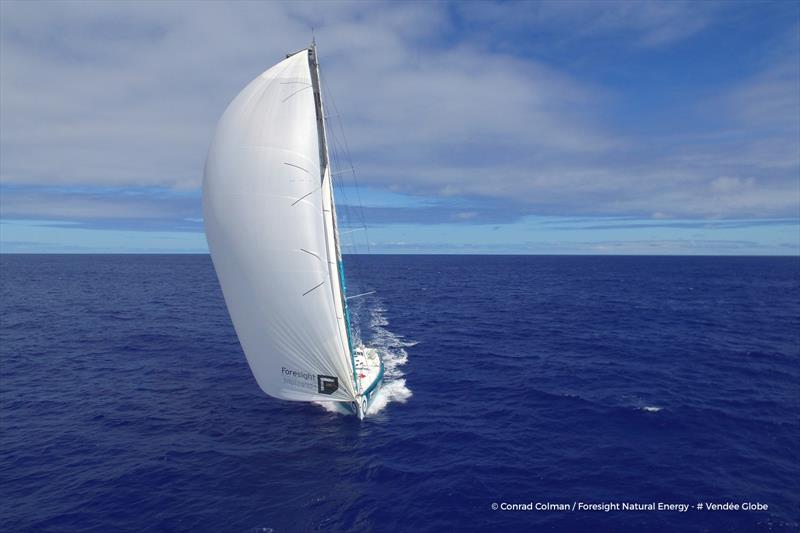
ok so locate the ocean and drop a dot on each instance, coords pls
(556, 388)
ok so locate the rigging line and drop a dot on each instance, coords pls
(342, 191)
(341, 129)
(306, 195)
(336, 151)
(360, 295)
(340, 171)
(335, 156)
(348, 210)
(347, 154)
(355, 177)
(316, 287)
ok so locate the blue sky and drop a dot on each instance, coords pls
(474, 127)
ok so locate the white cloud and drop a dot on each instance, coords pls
(647, 23)
(50, 205)
(126, 94)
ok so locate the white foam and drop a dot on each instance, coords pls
(333, 407)
(651, 408)
(392, 391)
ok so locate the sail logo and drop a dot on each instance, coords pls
(298, 379)
(327, 384)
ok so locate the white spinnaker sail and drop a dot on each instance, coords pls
(265, 211)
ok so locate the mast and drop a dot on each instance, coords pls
(336, 269)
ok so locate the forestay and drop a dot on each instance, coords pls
(269, 221)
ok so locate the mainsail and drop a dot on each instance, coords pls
(271, 229)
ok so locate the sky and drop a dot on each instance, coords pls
(473, 127)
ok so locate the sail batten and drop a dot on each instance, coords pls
(267, 153)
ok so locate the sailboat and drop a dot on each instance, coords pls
(271, 226)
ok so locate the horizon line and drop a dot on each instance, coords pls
(792, 255)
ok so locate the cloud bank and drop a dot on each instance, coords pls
(492, 111)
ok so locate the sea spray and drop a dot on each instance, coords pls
(392, 349)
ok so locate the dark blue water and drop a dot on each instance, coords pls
(127, 404)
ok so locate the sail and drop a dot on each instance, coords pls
(267, 212)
